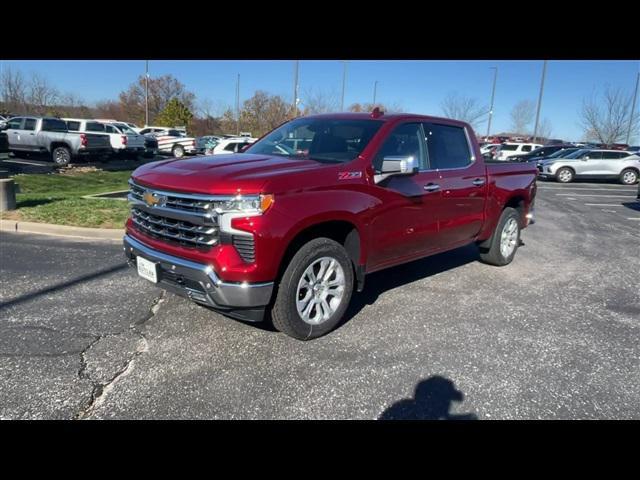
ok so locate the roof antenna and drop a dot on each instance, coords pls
(376, 113)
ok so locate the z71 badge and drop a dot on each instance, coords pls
(349, 175)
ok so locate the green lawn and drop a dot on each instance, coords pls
(56, 198)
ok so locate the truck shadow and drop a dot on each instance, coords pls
(394, 277)
(633, 205)
(433, 399)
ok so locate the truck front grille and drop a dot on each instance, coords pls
(180, 231)
(186, 203)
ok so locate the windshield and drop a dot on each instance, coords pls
(320, 139)
(563, 153)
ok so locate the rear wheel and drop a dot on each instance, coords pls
(500, 249)
(629, 176)
(565, 175)
(178, 151)
(61, 156)
(315, 290)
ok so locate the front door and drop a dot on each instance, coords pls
(406, 225)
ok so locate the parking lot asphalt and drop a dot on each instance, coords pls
(554, 335)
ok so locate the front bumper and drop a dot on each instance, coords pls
(200, 283)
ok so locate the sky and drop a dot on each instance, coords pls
(415, 86)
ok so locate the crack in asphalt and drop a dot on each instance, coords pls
(100, 390)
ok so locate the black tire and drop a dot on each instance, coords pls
(629, 176)
(565, 175)
(490, 251)
(61, 156)
(284, 314)
(177, 151)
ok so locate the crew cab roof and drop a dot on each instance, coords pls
(385, 117)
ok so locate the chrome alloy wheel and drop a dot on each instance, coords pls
(565, 176)
(320, 290)
(509, 237)
(629, 177)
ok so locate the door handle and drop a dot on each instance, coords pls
(432, 187)
(478, 182)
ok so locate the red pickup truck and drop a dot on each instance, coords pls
(293, 232)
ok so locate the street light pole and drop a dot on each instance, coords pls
(375, 88)
(344, 82)
(295, 88)
(238, 105)
(146, 93)
(633, 109)
(535, 129)
(493, 94)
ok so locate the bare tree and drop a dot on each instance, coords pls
(41, 95)
(607, 120)
(544, 129)
(161, 91)
(522, 114)
(14, 91)
(466, 109)
(263, 112)
(319, 102)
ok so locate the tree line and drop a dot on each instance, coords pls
(604, 118)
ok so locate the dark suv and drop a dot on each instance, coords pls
(539, 153)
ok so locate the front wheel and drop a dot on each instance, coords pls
(315, 290)
(564, 175)
(500, 249)
(629, 176)
(178, 151)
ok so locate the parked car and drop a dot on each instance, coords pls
(634, 148)
(206, 143)
(372, 192)
(489, 151)
(509, 149)
(51, 135)
(4, 140)
(588, 163)
(171, 141)
(538, 153)
(124, 141)
(232, 145)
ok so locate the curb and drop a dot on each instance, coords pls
(109, 234)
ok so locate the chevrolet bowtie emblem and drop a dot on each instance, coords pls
(153, 200)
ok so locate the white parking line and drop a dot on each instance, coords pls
(593, 195)
(603, 205)
(633, 218)
(577, 189)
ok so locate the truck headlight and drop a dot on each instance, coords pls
(246, 204)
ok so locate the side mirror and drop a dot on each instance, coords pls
(398, 165)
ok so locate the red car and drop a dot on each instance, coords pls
(295, 233)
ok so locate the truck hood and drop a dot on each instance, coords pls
(222, 174)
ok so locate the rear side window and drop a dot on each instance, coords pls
(174, 133)
(508, 148)
(231, 147)
(592, 155)
(29, 124)
(447, 146)
(144, 131)
(73, 126)
(526, 148)
(110, 129)
(54, 125)
(94, 127)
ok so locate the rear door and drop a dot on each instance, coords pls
(611, 162)
(462, 181)
(407, 224)
(29, 140)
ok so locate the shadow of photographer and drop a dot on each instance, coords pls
(432, 400)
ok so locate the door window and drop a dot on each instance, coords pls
(404, 141)
(15, 123)
(447, 146)
(29, 124)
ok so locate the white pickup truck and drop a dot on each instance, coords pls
(171, 141)
(124, 141)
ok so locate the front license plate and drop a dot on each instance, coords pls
(147, 269)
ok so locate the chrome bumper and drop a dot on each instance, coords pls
(199, 282)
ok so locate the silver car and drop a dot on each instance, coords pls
(593, 163)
